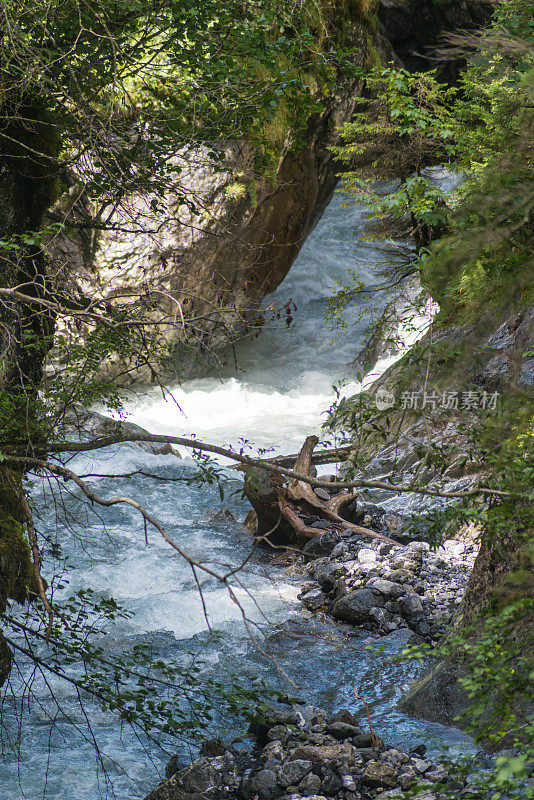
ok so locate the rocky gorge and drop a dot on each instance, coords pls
(226, 230)
(342, 571)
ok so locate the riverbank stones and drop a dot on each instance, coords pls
(347, 765)
(381, 586)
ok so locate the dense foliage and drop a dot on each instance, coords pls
(404, 124)
(480, 265)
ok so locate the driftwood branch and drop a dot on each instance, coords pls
(297, 500)
(14, 452)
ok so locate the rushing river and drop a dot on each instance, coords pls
(277, 397)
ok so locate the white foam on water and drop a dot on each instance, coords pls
(278, 397)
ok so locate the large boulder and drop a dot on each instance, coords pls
(377, 773)
(356, 607)
(202, 776)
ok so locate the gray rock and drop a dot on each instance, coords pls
(207, 773)
(363, 740)
(263, 784)
(380, 616)
(421, 627)
(438, 774)
(278, 733)
(331, 784)
(384, 548)
(344, 715)
(321, 493)
(388, 588)
(391, 522)
(273, 715)
(310, 785)
(314, 599)
(293, 771)
(214, 747)
(401, 575)
(348, 783)
(501, 338)
(343, 730)
(418, 547)
(526, 376)
(366, 555)
(407, 563)
(273, 751)
(355, 606)
(367, 754)
(327, 574)
(340, 589)
(322, 524)
(407, 778)
(323, 544)
(341, 549)
(317, 797)
(421, 765)
(370, 569)
(319, 753)
(377, 773)
(315, 715)
(410, 605)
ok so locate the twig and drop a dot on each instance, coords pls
(358, 697)
(36, 558)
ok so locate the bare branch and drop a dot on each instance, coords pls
(195, 445)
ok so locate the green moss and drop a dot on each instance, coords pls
(17, 577)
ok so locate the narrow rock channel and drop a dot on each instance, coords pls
(283, 387)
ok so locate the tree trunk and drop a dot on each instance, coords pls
(27, 182)
(282, 510)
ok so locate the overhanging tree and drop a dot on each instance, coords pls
(112, 89)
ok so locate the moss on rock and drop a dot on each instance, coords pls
(17, 576)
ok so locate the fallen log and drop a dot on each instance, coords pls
(330, 456)
(284, 509)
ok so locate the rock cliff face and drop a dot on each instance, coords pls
(491, 354)
(204, 265)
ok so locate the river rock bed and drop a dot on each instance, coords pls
(380, 586)
(301, 751)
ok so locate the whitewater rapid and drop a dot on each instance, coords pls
(279, 395)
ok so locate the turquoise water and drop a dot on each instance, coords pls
(277, 397)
